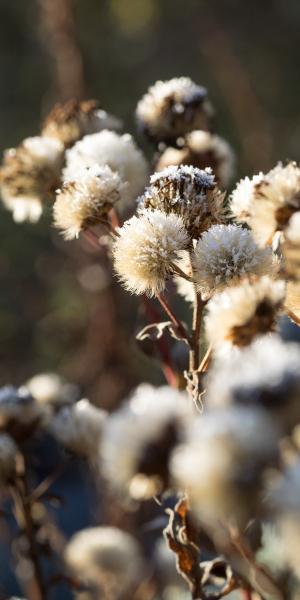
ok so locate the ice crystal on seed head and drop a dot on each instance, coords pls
(145, 249)
(79, 428)
(224, 255)
(106, 557)
(240, 313)
(173, 108)
(69, 122)
(139, 437)
(86, 199)
(242, 198)
(202, 149)
(29, 174)
(190, 193)
(119, 152)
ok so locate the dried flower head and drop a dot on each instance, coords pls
(272, 199)
(86, 200)
(139, 437)
(107, 558)
(146, 248)
(238, 314)
(51, 389)
(291, 250)
(19, 412)
(225, 254)
(79, 428)
(29, 174)
(119, 152)
(171, 109)
(190, 193)
(221, 463)
(266, 373)
(202, 149)
(241, 198)
(69, 122)
(8, 456)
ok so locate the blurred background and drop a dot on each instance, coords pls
(59, 307)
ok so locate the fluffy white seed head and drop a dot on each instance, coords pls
(145, 249)
(292, 232)
(221, 461)
(106, 557)
(266, 373)
(69, 122)
(29, 174)
(173, 108)
(51, 389)
(119, 152)
(139, 437)
(86, 200)
(8, 457)
(225, 254)
(269, 200)
(79, 428)
(291, 258)
(241, 199)
(189, 192)
(202, 149)
(238, 314)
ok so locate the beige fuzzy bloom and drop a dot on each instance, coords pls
(238, 314)
(226, 254)
(202, 149)
(29, 175)
(107, 558)
(291, 249)
(86, 200)
(188, 192)
(79, 428)
(146, 248)
(171, 109)
(119, 152)
(272, 199)
(69, 122)
(241, 199)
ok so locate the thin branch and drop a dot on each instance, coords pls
(178, 325)
(197, 318)
(292, 316)
(205, 360)
(181, 273)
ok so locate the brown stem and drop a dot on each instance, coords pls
(246, 594)
(181, 273)
(205, 360)
(294, 317)
(21, 497)
(197, 317)
(168, 370)
(114, 219)
(179, 327)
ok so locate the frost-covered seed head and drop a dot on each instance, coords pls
(238, 314)
(29, 174)
(291, 250)
(188, 192)
(106, 557)
(51, 389)
(145, 249)
(225, 254)
(271, 198)
(86, 200)
(69, 122)
(8, 456)
(171, 109)
(119, 152)
(221, 463)
(139, 437)
(265, 373)
(241, 198)
(79, 428)
(202, 149)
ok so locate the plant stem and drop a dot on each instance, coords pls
(246, 594)
(197, 317)
(179, 327)
(181, 273)
(21, 497)
(293, 317)
(205, 360)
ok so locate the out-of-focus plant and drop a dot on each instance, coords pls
(212, 458)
